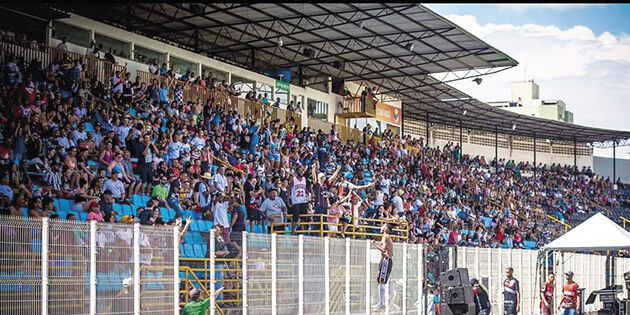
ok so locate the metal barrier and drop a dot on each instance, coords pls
(624, 221)
(63, 267)
(329, 225)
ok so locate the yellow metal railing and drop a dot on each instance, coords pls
(359, 228)
(624, 221)
(232, 284)
(566, 226)
(189, 285)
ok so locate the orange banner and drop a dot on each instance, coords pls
(388, 113)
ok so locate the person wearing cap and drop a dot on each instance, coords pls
(95, 212)
(511, 293)
(482, 301)
(198, 305)
(273, 206)
(570, 302)
(546, 295)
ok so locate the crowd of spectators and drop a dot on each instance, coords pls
(64, 134)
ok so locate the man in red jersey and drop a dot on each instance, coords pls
(570, 301)
(546, 295)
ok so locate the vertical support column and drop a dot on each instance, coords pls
(367, 276)
(535, 163)
(614, 179)
(477, 274)
(461, 139)
(167, 61)
(421, 296)
(575, 169)
(402, 122)
(274, 275)
(211, 286)
(136, 268)
(490, 273)
(427, 138)
(132, 53)
(244, 268)
(464, 260)
(300, 274)
(93, 268)
(500, 272)
(326, 274)
(347, 276)
(404, 277)
(452, 264)
(45, 232)
(176, 270)
(496, 148)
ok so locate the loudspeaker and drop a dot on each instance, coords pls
(457, 309)
(459, 295)
(454, 277)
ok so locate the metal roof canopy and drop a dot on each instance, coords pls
(443, 108)
(391, 46)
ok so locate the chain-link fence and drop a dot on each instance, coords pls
(64, 267)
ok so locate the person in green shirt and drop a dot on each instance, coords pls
(160, 191)
(198, 305)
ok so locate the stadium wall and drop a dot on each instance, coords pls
(604, 166)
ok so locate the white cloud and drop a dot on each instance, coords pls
(553, 6)
(590, 72)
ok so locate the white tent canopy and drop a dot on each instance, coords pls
(596, 233)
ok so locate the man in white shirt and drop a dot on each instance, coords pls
(219, 180)
(273, 206)
(220, 209)
(398, 203)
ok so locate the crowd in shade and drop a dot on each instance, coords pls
(65, 135)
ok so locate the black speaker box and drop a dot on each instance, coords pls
(459, 295)
(457, 309)
(454, 277)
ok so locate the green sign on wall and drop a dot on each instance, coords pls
(281, 85)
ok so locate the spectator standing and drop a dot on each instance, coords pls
(511, 293)
(546, 295)
(570, 303)
(482, 301)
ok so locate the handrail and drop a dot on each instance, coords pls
(353, 229)
(205, 291)
(567, 227)
(624, 220)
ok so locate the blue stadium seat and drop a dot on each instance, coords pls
(197, 239)
(93, 163)
(62, 215)
(187, 250)
(194, 226)
(127, 210)
(117, 207)
(189, 213)
(65, 204)
(200, 251)
(82, 216)
(137, 200)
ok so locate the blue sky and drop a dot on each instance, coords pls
(576, 53)
(600, 18)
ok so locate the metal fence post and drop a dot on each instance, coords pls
(452, 264)
(274, 271)
(404, 288)
(92, 267)
(136, 268)
(464, 258)
(500, 271)
(300, 274)
(176, 280)
(45, 227)
(327, 274)
(421, 295)
(490, 275)
(477, 274)
(347, 276)
(244, 267)
(367, 276)
(211, 286)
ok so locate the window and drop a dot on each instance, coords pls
(317, 109)
(264, 88)
(119, 47)
(282, 92)
(244, 85)
(146, 55)
(75, 35)
(183, 67)
(218, 75)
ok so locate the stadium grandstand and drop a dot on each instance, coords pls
(151, 148)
